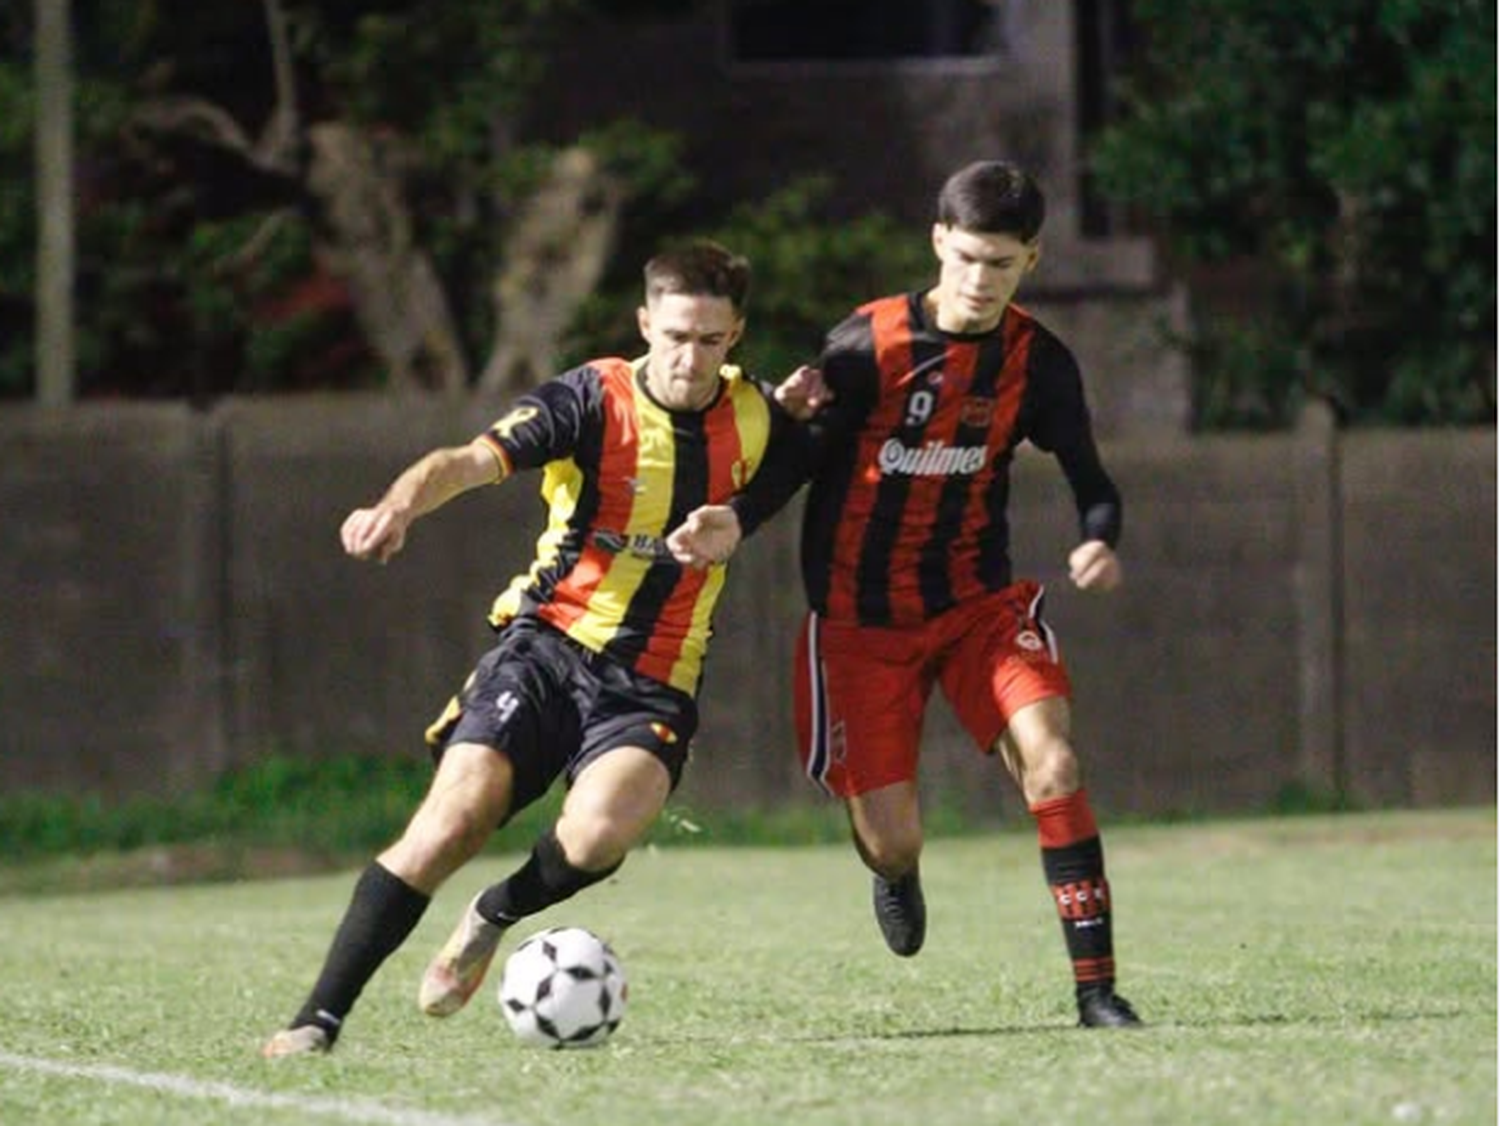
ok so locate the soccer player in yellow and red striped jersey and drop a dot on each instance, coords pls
(600, 646)
(924, 398)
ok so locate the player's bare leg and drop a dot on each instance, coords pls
(469, 796)
(887, 828)
(1037, 750)
(609, 808)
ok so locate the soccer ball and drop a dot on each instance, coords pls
(563, 988)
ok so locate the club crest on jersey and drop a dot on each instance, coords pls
(739, 472)
(976, 411)
(635, 485)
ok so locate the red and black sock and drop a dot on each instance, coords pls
(383, 911)
(1073, 863)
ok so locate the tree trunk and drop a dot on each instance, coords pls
(55, 375)
(365, 239)
(553, 260)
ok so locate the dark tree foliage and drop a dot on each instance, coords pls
(196, 267)
(1347, 149)
(199, 265)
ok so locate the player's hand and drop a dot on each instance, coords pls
(373, 533)
(708, 536)
(1093, 565)
(803, 393)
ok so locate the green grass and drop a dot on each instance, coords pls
(1331, 969)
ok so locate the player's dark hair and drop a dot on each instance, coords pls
(700, 269)
(993, 197)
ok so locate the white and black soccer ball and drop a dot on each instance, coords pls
(563, 988)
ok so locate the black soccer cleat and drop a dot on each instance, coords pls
(901, 912)
(1104, 1008)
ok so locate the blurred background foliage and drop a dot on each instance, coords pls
(190, 291)
(1337, 161)
(1326, 171)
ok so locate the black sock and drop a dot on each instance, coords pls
(546, 878)
(383, 911)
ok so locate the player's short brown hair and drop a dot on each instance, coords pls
(701, 268)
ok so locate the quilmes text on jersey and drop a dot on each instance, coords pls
(935, 459)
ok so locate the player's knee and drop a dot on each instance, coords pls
(593, 844)
(1054, 773)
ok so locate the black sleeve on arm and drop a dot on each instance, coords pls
(1101, 512)
(1063, 428)
(550, 421)
(799, 450)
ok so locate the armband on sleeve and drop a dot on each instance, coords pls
(503, 468)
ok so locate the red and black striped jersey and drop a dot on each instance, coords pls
(619, 472)
(906, 514)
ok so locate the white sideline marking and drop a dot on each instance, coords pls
(350, 1110)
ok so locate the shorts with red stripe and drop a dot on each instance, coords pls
(861, 691)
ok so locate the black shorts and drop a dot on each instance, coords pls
(552, 707)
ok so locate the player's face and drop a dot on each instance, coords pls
(690, 338)
(978, 275)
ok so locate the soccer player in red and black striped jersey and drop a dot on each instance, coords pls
(595, 672)
(923, 400)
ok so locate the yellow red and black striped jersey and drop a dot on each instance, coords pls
(620, 471)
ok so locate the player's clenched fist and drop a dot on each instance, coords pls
(1095, 566)
(804, 393)
(373, 533)
(709, 535)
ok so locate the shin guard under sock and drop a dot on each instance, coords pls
(546, 878)
(383, 911)
(1073, 864)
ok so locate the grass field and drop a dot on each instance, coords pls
(1310, 970)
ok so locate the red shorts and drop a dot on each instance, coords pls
(861, 691)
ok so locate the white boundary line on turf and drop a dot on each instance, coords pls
(350, 1110)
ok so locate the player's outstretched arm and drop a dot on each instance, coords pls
(709, 535)
(379, 531)
(1093, 565)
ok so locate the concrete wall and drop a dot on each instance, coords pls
(110, 603)
(1418, 600)
(1310, 608)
